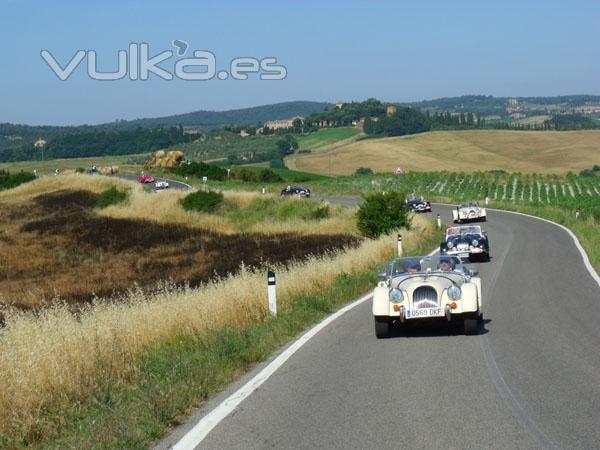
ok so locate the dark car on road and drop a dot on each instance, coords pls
(466, 242)
(418, 205)
(298, 191)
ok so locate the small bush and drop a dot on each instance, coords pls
(587, 173)
(268, 176)
(304, 151)
(382, 213)
(111, 196)
(596, 168)
(364, 171)
(322, 212)
(202, 201)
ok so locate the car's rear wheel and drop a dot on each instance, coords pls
(382, 327)
(471, 324)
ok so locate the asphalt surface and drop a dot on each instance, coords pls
(172, 183)
(530, 379)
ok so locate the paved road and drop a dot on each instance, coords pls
(172, 183)
(531, 379)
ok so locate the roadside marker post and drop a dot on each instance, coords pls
(399, 244)
(439, 222)
(271, 293)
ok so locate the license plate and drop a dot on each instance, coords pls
(463, 255)
(424, 312)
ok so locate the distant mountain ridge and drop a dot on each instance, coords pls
(214, 119)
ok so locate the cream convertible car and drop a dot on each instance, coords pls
(427, 287)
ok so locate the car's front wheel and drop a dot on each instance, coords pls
(382, 327)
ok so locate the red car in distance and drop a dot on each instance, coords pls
(146, 179)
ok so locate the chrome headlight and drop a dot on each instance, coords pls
(450, 244)
(395, 295)
(454, 292)
(475, 243)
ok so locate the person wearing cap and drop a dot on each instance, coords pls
(412, 266)
(445, 264)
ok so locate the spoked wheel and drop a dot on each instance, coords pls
(382, 327)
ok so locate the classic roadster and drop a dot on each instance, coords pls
(418, 205)
(470, 212)
(427, 287)
(466, 241)
(298, 191)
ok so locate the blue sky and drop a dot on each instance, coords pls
(392, 50)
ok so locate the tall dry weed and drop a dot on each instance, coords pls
(54, 357)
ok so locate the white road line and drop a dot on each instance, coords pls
(582, 252)
(197, 434)
(584, 255)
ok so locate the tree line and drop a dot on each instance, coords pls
(98, 143)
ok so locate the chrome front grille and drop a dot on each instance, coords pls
(425, 297)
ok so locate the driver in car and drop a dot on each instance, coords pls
(446, 265)
(412, 266)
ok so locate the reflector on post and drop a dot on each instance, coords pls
(271, 293)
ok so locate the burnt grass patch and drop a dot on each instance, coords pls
(86, 255)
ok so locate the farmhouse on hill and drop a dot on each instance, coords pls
(280, 124)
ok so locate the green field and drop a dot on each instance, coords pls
(326, 136)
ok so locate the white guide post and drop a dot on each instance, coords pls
(272, 294)
(439, 222)
(399, 244)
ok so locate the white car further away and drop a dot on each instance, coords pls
(161, 184)
(470, 212)
(427, 287)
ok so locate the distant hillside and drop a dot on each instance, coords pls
(215, 119)
(16, 141)
(487, 105)
(468, 151)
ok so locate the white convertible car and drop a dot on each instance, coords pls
(469, 212)
(427, 287)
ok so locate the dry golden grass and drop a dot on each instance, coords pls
(57, 245)
(71, 181)
(164, 207)
(519, 151)
(53, 358)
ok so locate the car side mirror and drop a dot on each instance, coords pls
(383, 276)
(473, 272)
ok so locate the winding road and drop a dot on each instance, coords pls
(530, 379)
(179, 185)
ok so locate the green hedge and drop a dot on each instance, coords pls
(10, 180)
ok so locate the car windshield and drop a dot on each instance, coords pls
(461, 231)
(424, 264)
